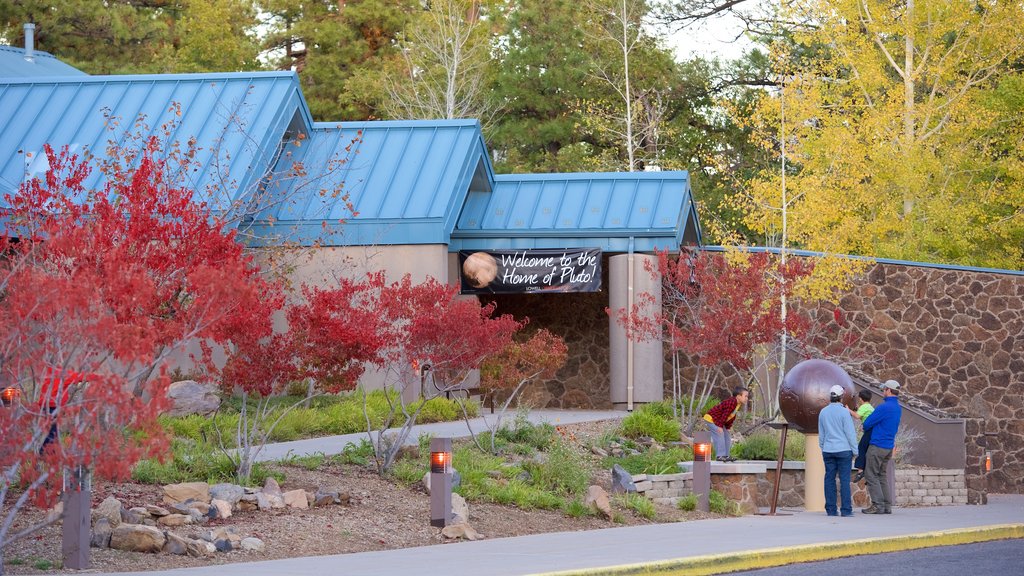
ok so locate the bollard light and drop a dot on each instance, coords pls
(440, 482)
(701, 451)
(9, 395)
(988, 461)
(702, 470)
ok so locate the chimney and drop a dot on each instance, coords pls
(30, 41)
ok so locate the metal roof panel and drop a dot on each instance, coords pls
(13, 64)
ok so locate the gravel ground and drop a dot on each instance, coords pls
(381, 516)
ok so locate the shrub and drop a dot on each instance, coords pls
(650, 420)
(643, 506)
(687, 503)
(523, 432)
(719, 504)
(663, 462)
(193, 462)
(576, 509)
(765, 446)
(563, 472)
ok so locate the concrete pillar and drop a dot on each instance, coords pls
(814, 475)
(636, 367)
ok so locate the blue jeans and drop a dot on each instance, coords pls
(838, 464)
(862, 451)
(720, 439)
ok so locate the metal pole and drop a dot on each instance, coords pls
(778, 469)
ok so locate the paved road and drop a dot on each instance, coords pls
(999, 558)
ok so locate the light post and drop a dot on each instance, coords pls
(702, 469)
(440, 482)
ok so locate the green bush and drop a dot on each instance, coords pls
(642, 505)
(765, 446)
(575, 508)
(719, 504)
(687, 503)
(562, 472)
(651, 420)
(523, 432)
(194, 462)
(662, 462)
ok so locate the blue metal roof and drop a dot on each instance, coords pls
(237, 119)
(618, 212)
(406, 181)
(813, 254)
(13, 64)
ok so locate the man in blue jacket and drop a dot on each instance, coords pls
(883, 424)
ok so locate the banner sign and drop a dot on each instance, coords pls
(541, 270)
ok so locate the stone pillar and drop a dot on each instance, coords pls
(814, 475)
(644, 363)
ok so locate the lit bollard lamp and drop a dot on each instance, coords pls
(702, 469)
(440, 482)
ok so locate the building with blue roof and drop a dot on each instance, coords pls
(398, 196)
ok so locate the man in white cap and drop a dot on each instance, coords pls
(883, 423)
(838, 441)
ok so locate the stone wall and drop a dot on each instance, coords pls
(751, 484)
(955, 340)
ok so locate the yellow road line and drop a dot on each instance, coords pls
(771, 557)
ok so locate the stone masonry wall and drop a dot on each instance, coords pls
(955, 340)
(914, 487)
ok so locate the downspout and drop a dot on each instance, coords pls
(30, 42)
(629, 340)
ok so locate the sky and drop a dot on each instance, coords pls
(715, 37)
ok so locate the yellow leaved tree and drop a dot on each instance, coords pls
(902, 125)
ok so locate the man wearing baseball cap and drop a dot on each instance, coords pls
(838, 441)
(883, 424)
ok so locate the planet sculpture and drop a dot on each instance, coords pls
(805, 391)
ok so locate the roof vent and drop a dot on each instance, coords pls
(30, 41)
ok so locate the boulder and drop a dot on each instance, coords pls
(156, 511)
(173, 520)
(597, 499)
(622, 481)
(295, 499)
(248, 502)
(110, 509)
(175, 544)
(178, 493)
(271, 487)
(223, 545)
(201, 548)
(185, 508)
(325, 498)
(463, 530)
(460, 508)
(252, 544)
(137, 538)
(201, 507)
(230, 493)
(101, 531)
(262, 501)
(275, 500)
(220, 509)
(191, 397)
(132, 516)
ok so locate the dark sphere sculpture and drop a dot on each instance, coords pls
(805, 391)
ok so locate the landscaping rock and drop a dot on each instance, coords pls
(460, 508)
(56, 513)
(247, 503)
(185, 508)
(175, 544)
(222, 533)
(201, 548)
(463, 530)
(174, 520)
(137, 538)
(110, 509)
(252, 544)
(156, 511)
(223, 545)
(133, 517)
(202, 507)
(325, 498)
(295, 499)
(191, 397)
(230, 493)
(597, 499)
(262, 501)
(275, 501)
(456, 480)
(101, 531)
(177, 493)
(219, 509)
(621, 480)
(271, 487)
(598, 451)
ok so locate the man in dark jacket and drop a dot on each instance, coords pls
(720, 419)
(883, 424)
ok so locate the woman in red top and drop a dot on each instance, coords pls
(720, 420)
(53, 394)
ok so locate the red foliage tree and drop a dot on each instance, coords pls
(718, 312)
(108, 283)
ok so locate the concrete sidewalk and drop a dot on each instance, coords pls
(330, 445)
(698, 547)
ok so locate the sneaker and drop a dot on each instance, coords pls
(887, 510)
(730, 459)
(831, 514)
(872, 510)
(847, 514)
